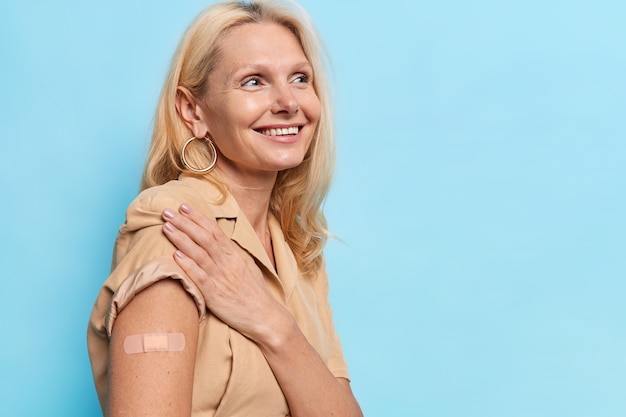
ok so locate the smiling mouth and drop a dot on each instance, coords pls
(285, 131)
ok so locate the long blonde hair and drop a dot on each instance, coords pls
(299, 192)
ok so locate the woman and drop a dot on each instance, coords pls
(217, 301)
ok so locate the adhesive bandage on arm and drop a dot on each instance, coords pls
(154, 342)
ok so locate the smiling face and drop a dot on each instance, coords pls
(260, 107)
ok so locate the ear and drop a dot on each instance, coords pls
(190, 111)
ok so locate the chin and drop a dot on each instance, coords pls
(288, 162)
(285, 167)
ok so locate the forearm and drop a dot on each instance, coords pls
(309, 387)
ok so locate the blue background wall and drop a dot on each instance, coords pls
(479, 195)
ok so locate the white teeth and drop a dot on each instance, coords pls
(280, 131)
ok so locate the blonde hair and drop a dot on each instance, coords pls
(299, 192)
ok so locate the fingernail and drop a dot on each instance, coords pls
(168, 214)
(185, 208)
(169, 226)
(179, 254)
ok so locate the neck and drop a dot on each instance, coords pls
(252, 194)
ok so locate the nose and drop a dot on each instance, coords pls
(285, 101)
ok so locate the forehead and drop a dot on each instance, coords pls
(253, 43)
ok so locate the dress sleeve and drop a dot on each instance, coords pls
(143, 255)
(159, 268)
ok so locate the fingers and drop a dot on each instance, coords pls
(197, 273)
(228, 277)
(181, 240)
(202, 231)
(192, 223)
(197, 217)
(194, 254)
(200, 239)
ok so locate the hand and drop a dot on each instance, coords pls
(234, 290)
(230, 281)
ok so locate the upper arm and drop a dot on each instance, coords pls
(345, 384)
(153, 383)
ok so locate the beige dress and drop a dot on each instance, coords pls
(232, 377)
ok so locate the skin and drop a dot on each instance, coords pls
(159, 383)
(234, 290)
(263, 81)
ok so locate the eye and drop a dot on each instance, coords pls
(252, 81)
(302, 79)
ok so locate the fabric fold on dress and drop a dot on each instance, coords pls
(231, 376)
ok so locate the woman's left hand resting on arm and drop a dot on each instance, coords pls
(234, 290)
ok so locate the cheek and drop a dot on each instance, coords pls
(236, 112)
(311, 105)
(251, 104)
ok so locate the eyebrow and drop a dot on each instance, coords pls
(262, 67)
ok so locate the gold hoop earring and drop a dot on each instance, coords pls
(192, 168)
